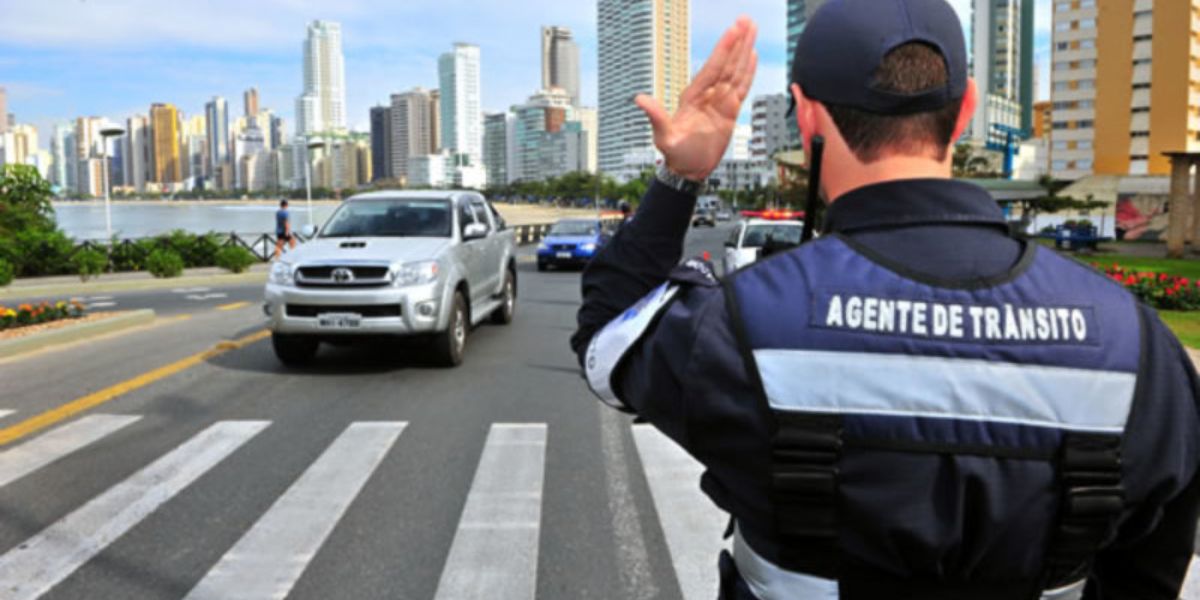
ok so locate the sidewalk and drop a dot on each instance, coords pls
(118, 282)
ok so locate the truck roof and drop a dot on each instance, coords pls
(413, 194)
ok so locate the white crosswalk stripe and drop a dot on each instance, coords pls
(495, 550)
(269, 559)
(30, 456)
(6, 412)
(691, 523)
(32, 568)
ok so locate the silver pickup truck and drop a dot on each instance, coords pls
(429, 263)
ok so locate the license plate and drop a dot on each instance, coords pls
(564, 255)
(339, 321)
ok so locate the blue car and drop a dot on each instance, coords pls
(572, 242)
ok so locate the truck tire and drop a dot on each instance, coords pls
(449, 345)
(294, 350)
(508, 301)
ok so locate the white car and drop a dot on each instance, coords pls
(748, 238)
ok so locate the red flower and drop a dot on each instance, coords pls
(1162, 277)
(1170, 292)
(1184, 281)
(1131, 280)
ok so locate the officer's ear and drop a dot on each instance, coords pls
(806, 117)
(970, 103)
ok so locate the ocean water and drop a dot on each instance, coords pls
(85, 221)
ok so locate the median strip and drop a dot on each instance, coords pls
(66, 411)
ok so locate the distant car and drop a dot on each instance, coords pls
(750, 237)
(704, 217)
(572, 243)
(724, 215)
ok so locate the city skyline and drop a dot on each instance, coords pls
(48, 83)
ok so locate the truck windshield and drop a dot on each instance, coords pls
(409, 217)
(565, 228)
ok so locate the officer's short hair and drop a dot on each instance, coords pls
(908, 69)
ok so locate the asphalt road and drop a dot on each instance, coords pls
(367, 475)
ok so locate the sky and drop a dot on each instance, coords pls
(60, 59)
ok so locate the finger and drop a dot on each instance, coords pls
(715, 64)
(740, 51)
(743, 88)
(748, 55)
(659, 119)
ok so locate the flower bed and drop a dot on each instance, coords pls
(28, 314)
(1159, 290)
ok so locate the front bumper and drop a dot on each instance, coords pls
(420, 309)
(577, 256)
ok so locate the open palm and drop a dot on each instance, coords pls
(694, 139)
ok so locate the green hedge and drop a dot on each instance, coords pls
(39, 253)
(164, 263)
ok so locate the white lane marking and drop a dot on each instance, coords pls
(38, 452)
(1191, 584)
(692, 524)
(101, 304)
(6, 412)
(192, 290)
(495, 550)
(633, 559)
(32, 568)
(202, 297)
(100, 298)
(270, 557)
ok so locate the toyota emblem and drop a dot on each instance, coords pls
(343, 275)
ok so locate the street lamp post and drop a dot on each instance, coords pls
(105, 134)
(308, 148)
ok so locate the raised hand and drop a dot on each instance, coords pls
(694, 139)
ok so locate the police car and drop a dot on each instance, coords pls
(769, 231)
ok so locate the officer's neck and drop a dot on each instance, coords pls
(844, 173)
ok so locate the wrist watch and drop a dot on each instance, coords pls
(678, 183)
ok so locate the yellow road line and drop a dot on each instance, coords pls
(233, 306)
(74, 407)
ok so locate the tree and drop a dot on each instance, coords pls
(24, 201)
(1051, 202)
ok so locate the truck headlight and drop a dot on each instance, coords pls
(416, 273)
(281, 273)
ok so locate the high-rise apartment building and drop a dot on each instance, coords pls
(1002, 64)
(1125, 86)
(544, 114)
(137, 155)
(411, 129)
(62, 171)
(216, 112)
(1041, 119)
(497, 134)
(461, 100)
(589, 119)
(560, 61)
(769, 126)
(164, 123)
(3, 111)
(381, 142)
(645, 48)
(250, 102)
(322, 105)
(798, 14)
(435, 119)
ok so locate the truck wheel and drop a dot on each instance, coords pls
(508, 301)
(294, 350)
(448, 346)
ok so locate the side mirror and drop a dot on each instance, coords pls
(474, 231)
(308, 231)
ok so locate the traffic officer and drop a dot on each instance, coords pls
(916, 405)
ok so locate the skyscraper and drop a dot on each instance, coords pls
(462, 112)
(435, 119)
(496, 128)
(560, 61)
(217, 113)
(62, 174)
(1002, 64)
(1107, 118)
(3, 111)
(138, 157)
(381, 142)
(322, 105)
(798, 14)
(164, 122)
(411, 130)
(250, 100)
(644, 48)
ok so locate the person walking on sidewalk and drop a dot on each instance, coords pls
(283, 229)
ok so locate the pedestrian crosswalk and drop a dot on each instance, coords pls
(495, 548)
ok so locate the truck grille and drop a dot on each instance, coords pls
(368, 311)
(360, 276)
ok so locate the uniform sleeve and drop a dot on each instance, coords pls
(638, 259)
(1154, 545)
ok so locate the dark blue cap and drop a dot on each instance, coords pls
(846, 40)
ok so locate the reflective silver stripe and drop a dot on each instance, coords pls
(610, 345)
(769, 581)
(936, 387)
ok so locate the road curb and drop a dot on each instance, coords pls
(66, 335)
(136, 285)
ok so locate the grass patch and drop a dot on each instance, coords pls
(1186, 326)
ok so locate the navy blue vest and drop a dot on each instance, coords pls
(955, 431)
